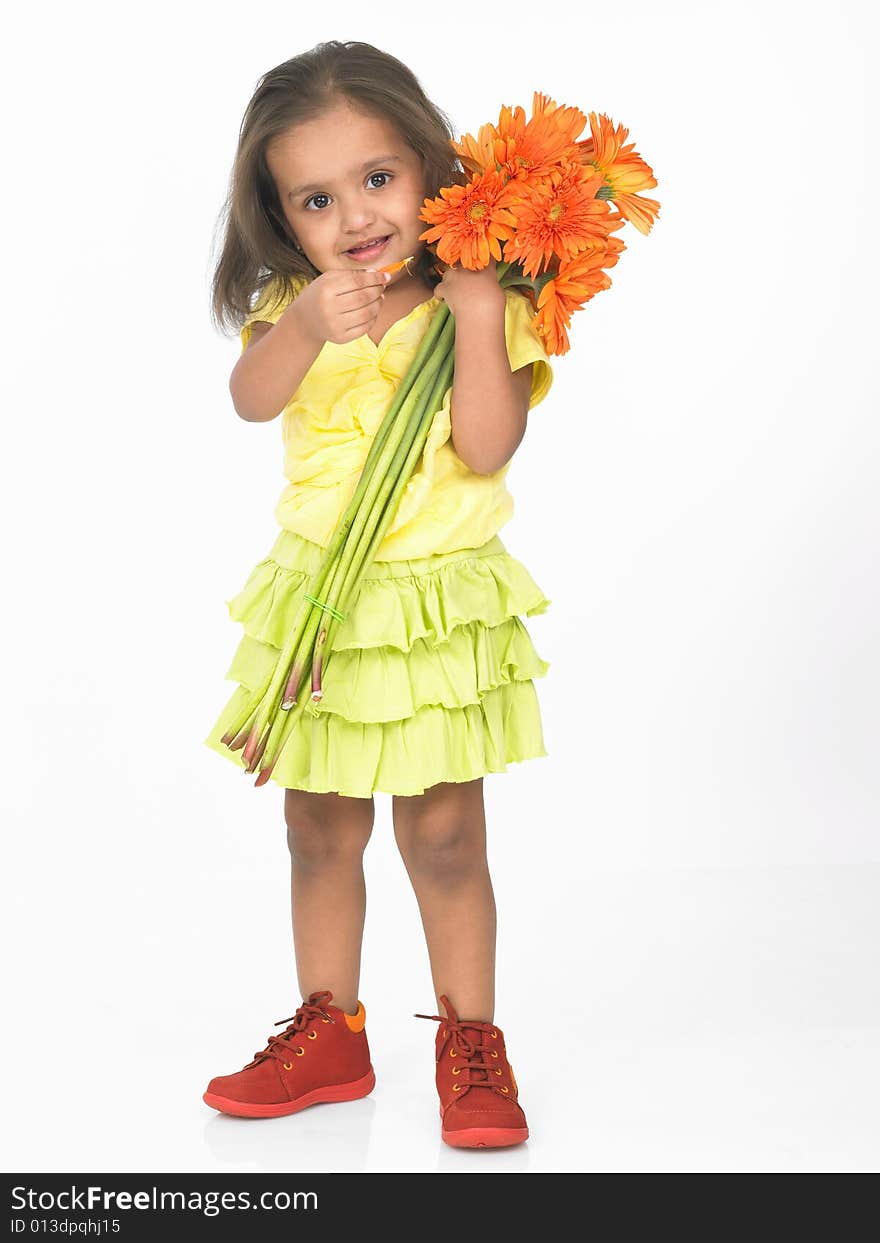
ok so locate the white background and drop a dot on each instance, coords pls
(687, 885)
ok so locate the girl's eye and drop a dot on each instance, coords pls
(370, 178)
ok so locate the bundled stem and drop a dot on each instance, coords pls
(392, 473)
(393, 488)
(262, 725)
(366, 491)
(391, 483)
(300, 639)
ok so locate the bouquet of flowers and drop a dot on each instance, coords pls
(544, 196)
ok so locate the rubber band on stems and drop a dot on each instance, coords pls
(323, 605)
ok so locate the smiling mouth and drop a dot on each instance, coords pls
(368, 245)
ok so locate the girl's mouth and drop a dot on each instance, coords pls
(369, 252)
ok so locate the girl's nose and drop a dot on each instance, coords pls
(357, 225)
(356, 217)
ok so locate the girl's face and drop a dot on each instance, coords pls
(347, 178)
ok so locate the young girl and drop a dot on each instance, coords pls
(429, 683)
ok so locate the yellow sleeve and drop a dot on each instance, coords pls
(524, 345)
(269, 307)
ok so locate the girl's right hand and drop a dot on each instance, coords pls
(340, 306)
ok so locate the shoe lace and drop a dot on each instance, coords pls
(282, 1046)
(468, 1039)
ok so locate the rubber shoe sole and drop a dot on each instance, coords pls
(332, 1092)
(484, 1136)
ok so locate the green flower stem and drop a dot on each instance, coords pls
(270, 694)
(310, 620)
(237, 733)
(406, 416)
(245, 718)
(395, 481)
(372, 483)
(351, 566)
(395, 484)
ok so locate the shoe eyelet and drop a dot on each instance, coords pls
(498, 1072)
(494, 1052)
(452, 1053)
(494, 1035)
(505, 1089)
(313, 1035)
(288, 1065)
(300, 1052)
(456, 1087)
(456, 1070)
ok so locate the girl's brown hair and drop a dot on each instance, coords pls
(257, 245)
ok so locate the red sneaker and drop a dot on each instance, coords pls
(322, 1055)
(475, 1083)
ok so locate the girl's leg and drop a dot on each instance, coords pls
(327, 835)
(441, 835)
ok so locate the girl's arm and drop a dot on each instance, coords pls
(273, 366)
(490, 403)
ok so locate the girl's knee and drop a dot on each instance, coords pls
(325, 828)
(441, 840)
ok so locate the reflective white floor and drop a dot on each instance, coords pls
(716, 1020)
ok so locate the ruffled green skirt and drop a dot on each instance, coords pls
(429, 678)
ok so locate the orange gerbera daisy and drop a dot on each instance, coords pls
(561, 218)
(470, 221)
(572, 286)
(624, 170)
(548, 197)
(524, 150)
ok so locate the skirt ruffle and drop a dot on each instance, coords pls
(430, 678)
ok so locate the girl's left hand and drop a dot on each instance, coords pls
(463, 290)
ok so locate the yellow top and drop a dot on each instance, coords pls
(330, 421)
